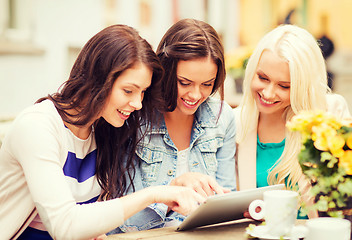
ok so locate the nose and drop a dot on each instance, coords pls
(136, 102)
(268, 92)
(195, 93)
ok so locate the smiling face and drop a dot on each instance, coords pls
(195, 81)
(127, 94)
(271, 84)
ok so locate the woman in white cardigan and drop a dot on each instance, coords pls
(76, 146)
(285, 74)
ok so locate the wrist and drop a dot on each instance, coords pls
(150, 195)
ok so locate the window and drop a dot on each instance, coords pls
(16, 27)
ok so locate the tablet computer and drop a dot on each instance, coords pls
(225, 207)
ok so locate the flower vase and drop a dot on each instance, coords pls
(347, 211)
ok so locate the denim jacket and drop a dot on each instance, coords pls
(212, 150)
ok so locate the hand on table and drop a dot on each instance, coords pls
(203, 184)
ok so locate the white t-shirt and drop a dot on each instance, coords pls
(182, 162)
(181, 168)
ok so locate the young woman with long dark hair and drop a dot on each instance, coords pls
(66, 151)
(193, 143)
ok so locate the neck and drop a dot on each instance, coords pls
(272, 118)
(178, 117)
(179, 128)
(271, 128)
(81, 132)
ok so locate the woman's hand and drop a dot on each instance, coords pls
(184, 194)
(101, 237)
(179, 199)
(247, 215)
(203, 184)
(183, 200)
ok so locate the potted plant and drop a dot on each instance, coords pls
(236, 62)
(326, 160)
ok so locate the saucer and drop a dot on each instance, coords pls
(261, 232)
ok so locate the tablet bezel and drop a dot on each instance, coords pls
(223, 208)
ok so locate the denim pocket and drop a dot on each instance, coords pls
(151, 163)
(208, 151)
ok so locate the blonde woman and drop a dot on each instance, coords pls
(285, 74)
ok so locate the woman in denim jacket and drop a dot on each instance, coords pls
(194, 143)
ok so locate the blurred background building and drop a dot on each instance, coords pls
(40, 39)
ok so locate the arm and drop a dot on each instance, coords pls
(154, 215)
(40, 158)
(179, 199)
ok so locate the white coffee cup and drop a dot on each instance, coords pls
(325, 228)
(279, 209)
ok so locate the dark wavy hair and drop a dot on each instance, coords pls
(186, 40)
(101, 61)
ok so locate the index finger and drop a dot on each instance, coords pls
(216, 187)
(199, 198)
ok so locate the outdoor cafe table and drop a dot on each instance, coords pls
(229, 230)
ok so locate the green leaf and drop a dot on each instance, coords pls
(322, 205)
(325, 156)
(345, 188)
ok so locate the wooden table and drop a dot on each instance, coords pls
(229, 230)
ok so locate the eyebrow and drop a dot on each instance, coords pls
(137, 86)
(184, 78)
(262, 73)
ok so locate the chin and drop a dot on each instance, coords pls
(119, 125)
(189, 112)
(116, 124)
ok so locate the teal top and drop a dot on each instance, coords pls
(267, 155)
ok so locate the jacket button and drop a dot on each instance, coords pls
(170, 173)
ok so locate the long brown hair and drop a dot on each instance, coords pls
(186, 40)
(101, 61)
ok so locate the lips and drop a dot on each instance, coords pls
(266, 102)
(190, 104)
(123, 114)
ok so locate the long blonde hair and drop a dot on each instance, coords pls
(308, 91)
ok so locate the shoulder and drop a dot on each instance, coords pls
(337, 105)
(237, 115)
(34, 130)
(216, 105)
(45, 108)
(223, 116)
(37, 119)
(215, 110)
(236, 111)
(211, 102)
(333, 97)
(44, 112)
